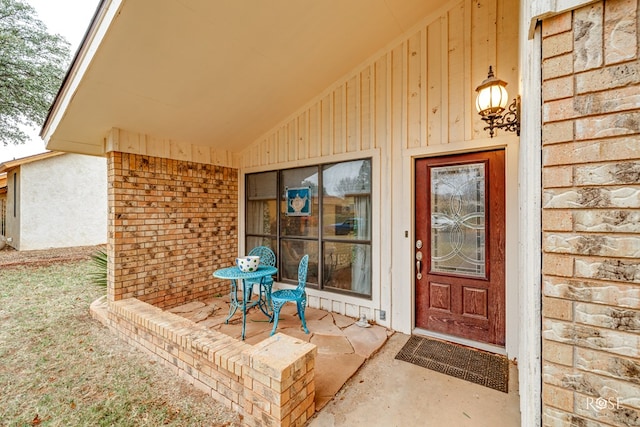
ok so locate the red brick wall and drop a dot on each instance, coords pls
(171, 224)
(591, 216)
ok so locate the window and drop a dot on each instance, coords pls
(3, 216)
(15, 194)
(323, 211)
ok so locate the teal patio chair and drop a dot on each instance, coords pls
(297, 295)
(267, 257)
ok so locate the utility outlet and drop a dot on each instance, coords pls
(383, 315)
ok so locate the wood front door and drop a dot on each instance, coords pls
(460, 246)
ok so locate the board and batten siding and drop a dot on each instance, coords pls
(416, 97)
(421, 88)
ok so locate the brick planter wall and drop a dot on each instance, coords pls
(269, 384)
(171, 224)
(591, 216)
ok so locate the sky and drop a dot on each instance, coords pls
(70, 19)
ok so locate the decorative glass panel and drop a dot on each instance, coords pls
(458, 220)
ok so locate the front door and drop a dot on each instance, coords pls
(460, 246)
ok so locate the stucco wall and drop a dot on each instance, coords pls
(63, 202)
(591, 216)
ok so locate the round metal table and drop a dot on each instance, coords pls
(234, 274)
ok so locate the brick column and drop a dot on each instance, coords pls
(171, 223)
(279, 382)
(591, 216)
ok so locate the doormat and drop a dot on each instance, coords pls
(486, 369)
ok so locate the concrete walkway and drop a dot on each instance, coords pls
(358, 380)
(393, 393)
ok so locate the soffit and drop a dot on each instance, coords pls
(221, 73)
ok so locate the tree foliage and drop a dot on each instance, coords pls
(32, 66)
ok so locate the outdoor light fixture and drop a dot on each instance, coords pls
(492, 100)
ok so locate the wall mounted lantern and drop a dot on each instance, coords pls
(492, 100)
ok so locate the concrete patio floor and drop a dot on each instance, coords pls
(393, 393)
(343, 347)
(358, 380)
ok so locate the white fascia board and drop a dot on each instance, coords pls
(79, 67)
(542, 9)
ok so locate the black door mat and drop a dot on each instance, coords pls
(487, 369)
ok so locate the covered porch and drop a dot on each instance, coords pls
(356, 377)
(190, 101)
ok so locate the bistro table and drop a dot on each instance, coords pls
(234, 274)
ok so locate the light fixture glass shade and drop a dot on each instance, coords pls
(492, 96)
(492, 100)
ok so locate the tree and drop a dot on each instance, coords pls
(32, 66)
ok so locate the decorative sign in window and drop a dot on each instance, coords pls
(298, 201)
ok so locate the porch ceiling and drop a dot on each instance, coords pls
(217, 73)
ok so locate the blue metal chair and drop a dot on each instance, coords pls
(299, 295)
(267, 257)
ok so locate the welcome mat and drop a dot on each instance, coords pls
(486, 369)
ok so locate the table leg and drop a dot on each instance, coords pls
(244, 306)
(264, 302)
(233, 301)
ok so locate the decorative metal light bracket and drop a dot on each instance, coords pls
(509, 120)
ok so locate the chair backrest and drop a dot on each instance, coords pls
(302, 272)
(267, 257)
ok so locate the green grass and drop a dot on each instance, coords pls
(59, 367)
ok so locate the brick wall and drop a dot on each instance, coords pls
(591, 216)
(269, 384)
(171, 224)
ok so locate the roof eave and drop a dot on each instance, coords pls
(102, 18)
(11, 164)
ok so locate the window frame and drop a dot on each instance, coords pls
(320, 238)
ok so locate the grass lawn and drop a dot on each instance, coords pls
(59, 367)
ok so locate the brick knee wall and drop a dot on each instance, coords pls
(269, 384)
(591, 216)
(171, 223)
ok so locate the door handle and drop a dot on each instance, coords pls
(418, 265)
